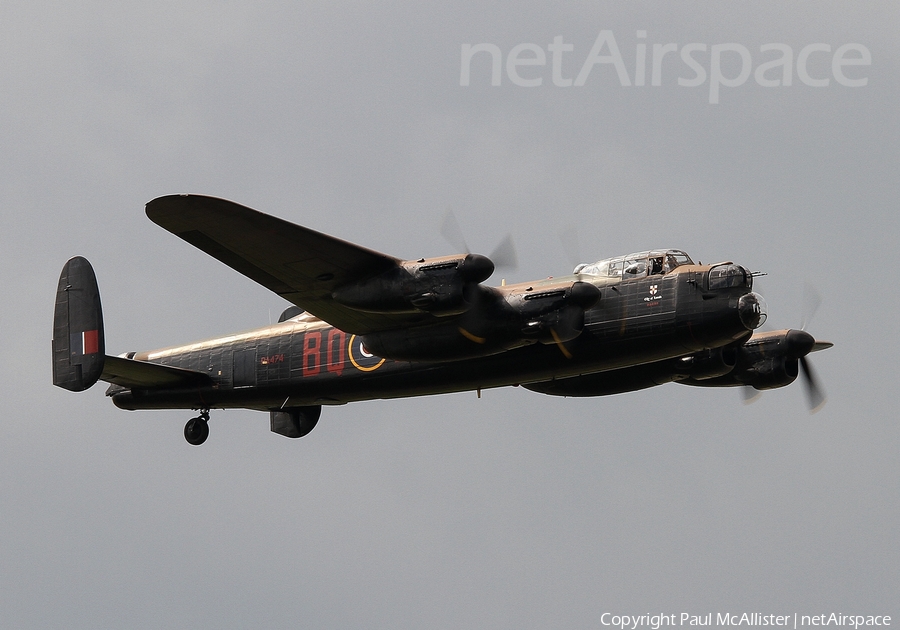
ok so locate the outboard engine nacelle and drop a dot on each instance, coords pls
(436, 285)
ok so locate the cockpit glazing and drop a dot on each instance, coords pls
(649, 263)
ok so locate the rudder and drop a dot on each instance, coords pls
(79, 347)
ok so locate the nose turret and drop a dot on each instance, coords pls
(752, 310)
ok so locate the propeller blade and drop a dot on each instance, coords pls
(814, 392)
(452, 233)
(811, 303)
(474, 324)
(504, 255)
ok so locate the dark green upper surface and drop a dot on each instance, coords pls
(299, 264)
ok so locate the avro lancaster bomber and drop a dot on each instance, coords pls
(366, 325)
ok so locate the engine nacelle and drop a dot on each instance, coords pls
(771, 373)
(555, 314)
(436, 285)
(708, 363)
(495, 320)
(765, 361)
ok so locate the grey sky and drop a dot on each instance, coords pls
(512, 511)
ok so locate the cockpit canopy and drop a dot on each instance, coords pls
(654, 262)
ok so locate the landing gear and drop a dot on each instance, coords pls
(197, 429)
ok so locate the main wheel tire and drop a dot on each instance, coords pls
(196, 431)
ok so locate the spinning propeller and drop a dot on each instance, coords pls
(549, 314)
(504, 255)
(799, 344)
(814, 392)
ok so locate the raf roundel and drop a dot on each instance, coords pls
(361, 358)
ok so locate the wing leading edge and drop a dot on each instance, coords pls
(301, 265)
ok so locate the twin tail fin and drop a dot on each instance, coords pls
(79, 346)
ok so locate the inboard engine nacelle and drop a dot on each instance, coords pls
(495, 320)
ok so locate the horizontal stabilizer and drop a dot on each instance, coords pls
(141, 374)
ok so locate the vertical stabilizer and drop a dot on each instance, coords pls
(79, 347)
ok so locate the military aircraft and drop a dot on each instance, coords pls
(365, 325)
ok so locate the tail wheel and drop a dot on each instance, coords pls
(197, 430)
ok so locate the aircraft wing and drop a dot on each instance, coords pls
(301, 265)
(142, 374)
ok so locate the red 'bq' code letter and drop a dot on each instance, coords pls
(312, 342)
(335, 350)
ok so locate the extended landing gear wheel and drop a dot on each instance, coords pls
(197, 430)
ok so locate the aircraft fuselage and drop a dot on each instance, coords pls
(304, 361)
